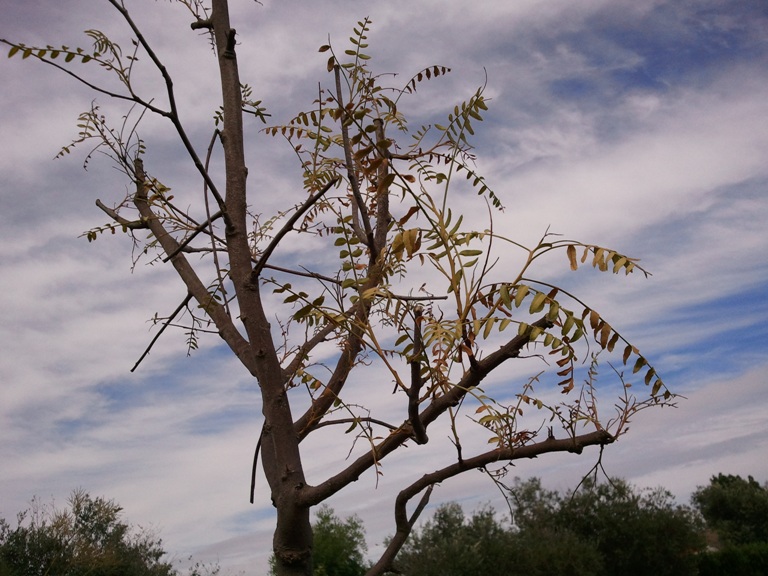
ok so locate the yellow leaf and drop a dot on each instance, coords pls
(612, 341)
(554, 311)
(538, 303)
(412, 240)
(568, 324)
(520, 293)
(571, 251)
(488, 327)
(605, 333)
(504, 295)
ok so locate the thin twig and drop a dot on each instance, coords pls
(162, 329)
(352, 420)
(173, 115)
(358, 209)
(199, 228)
(289, 226)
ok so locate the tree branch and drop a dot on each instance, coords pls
(288, 227)
(129, 224)
(419, 433)
(471, 379)
(358, 205)
(215, 311)
(167, 323)
(405, 525)
(173, 115)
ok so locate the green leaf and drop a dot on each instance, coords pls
(568, 324)
(504, 295)
(488, 327)
(520, 294)
(571, 252)
(554, 311)
(538, 303)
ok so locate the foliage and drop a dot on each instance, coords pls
(640, 533)
(600, 530)
(339, 546)
(737, 509)
(737, 560)
(87, 538)
(450, 544)
(482, 545)
(400, 282)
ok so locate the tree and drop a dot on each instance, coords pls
(339, 546)
(377, 206)
(450, 544)
(735, 508)
(603, 529)
(634, 532)
(87, 538)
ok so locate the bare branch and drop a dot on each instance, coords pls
(432, 412)
(129, 224)
(288, 227)
(405, 525)
(419, 433)
(199, 228)
(167, 323)
(173, 115)
(215, 311)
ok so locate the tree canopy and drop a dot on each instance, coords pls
(734, 507)
(87, 538)
(599, 530)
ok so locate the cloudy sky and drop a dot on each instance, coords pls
(638, 125)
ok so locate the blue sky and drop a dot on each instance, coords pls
(638, 125)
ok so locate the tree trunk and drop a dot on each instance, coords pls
(292, 542)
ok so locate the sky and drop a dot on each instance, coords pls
(637, 125)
